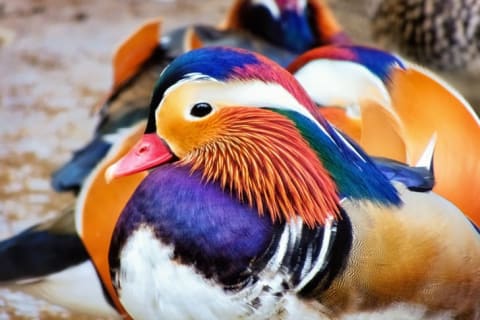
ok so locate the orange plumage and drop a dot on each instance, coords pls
(426, 107)
(101, 206)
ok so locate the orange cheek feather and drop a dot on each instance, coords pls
(184, 135)
(102, 206)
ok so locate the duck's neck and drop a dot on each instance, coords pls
(228, 241)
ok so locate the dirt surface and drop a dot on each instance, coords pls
(54, 66)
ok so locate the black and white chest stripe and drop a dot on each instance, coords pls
(299, 260)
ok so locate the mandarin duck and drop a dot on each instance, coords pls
(257, 208)
(392, 108)
(136, 64)
(443, 34)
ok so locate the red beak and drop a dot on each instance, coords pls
(149, 152)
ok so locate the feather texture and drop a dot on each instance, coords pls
(264, 160)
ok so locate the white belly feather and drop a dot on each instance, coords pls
(153, 286)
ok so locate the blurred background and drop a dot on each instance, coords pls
(55, 64)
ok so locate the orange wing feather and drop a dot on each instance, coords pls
(426, 106)
(339, 118)
(381, 132)
(423, 106)
(130, 55)
(100, 205)
(192, 41)
(378, 130)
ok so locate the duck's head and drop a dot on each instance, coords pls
(237, 117)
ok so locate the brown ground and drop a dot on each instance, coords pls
(54, 65)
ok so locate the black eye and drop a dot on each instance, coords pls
(201, 109)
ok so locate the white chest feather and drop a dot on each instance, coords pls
(154, 286)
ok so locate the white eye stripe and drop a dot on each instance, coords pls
(189, 77)
(245, 93)
(198, 76)
(252, 93)
(194, 76)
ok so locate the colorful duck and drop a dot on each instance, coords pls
(136, 64)
(259, 209)
(392, 108)
(123, 114)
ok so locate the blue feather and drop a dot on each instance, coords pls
(377, 61)
(291, 29)
(72, 174)
(38, 252)
(200, 61)
(297, 32)
(418, 179)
